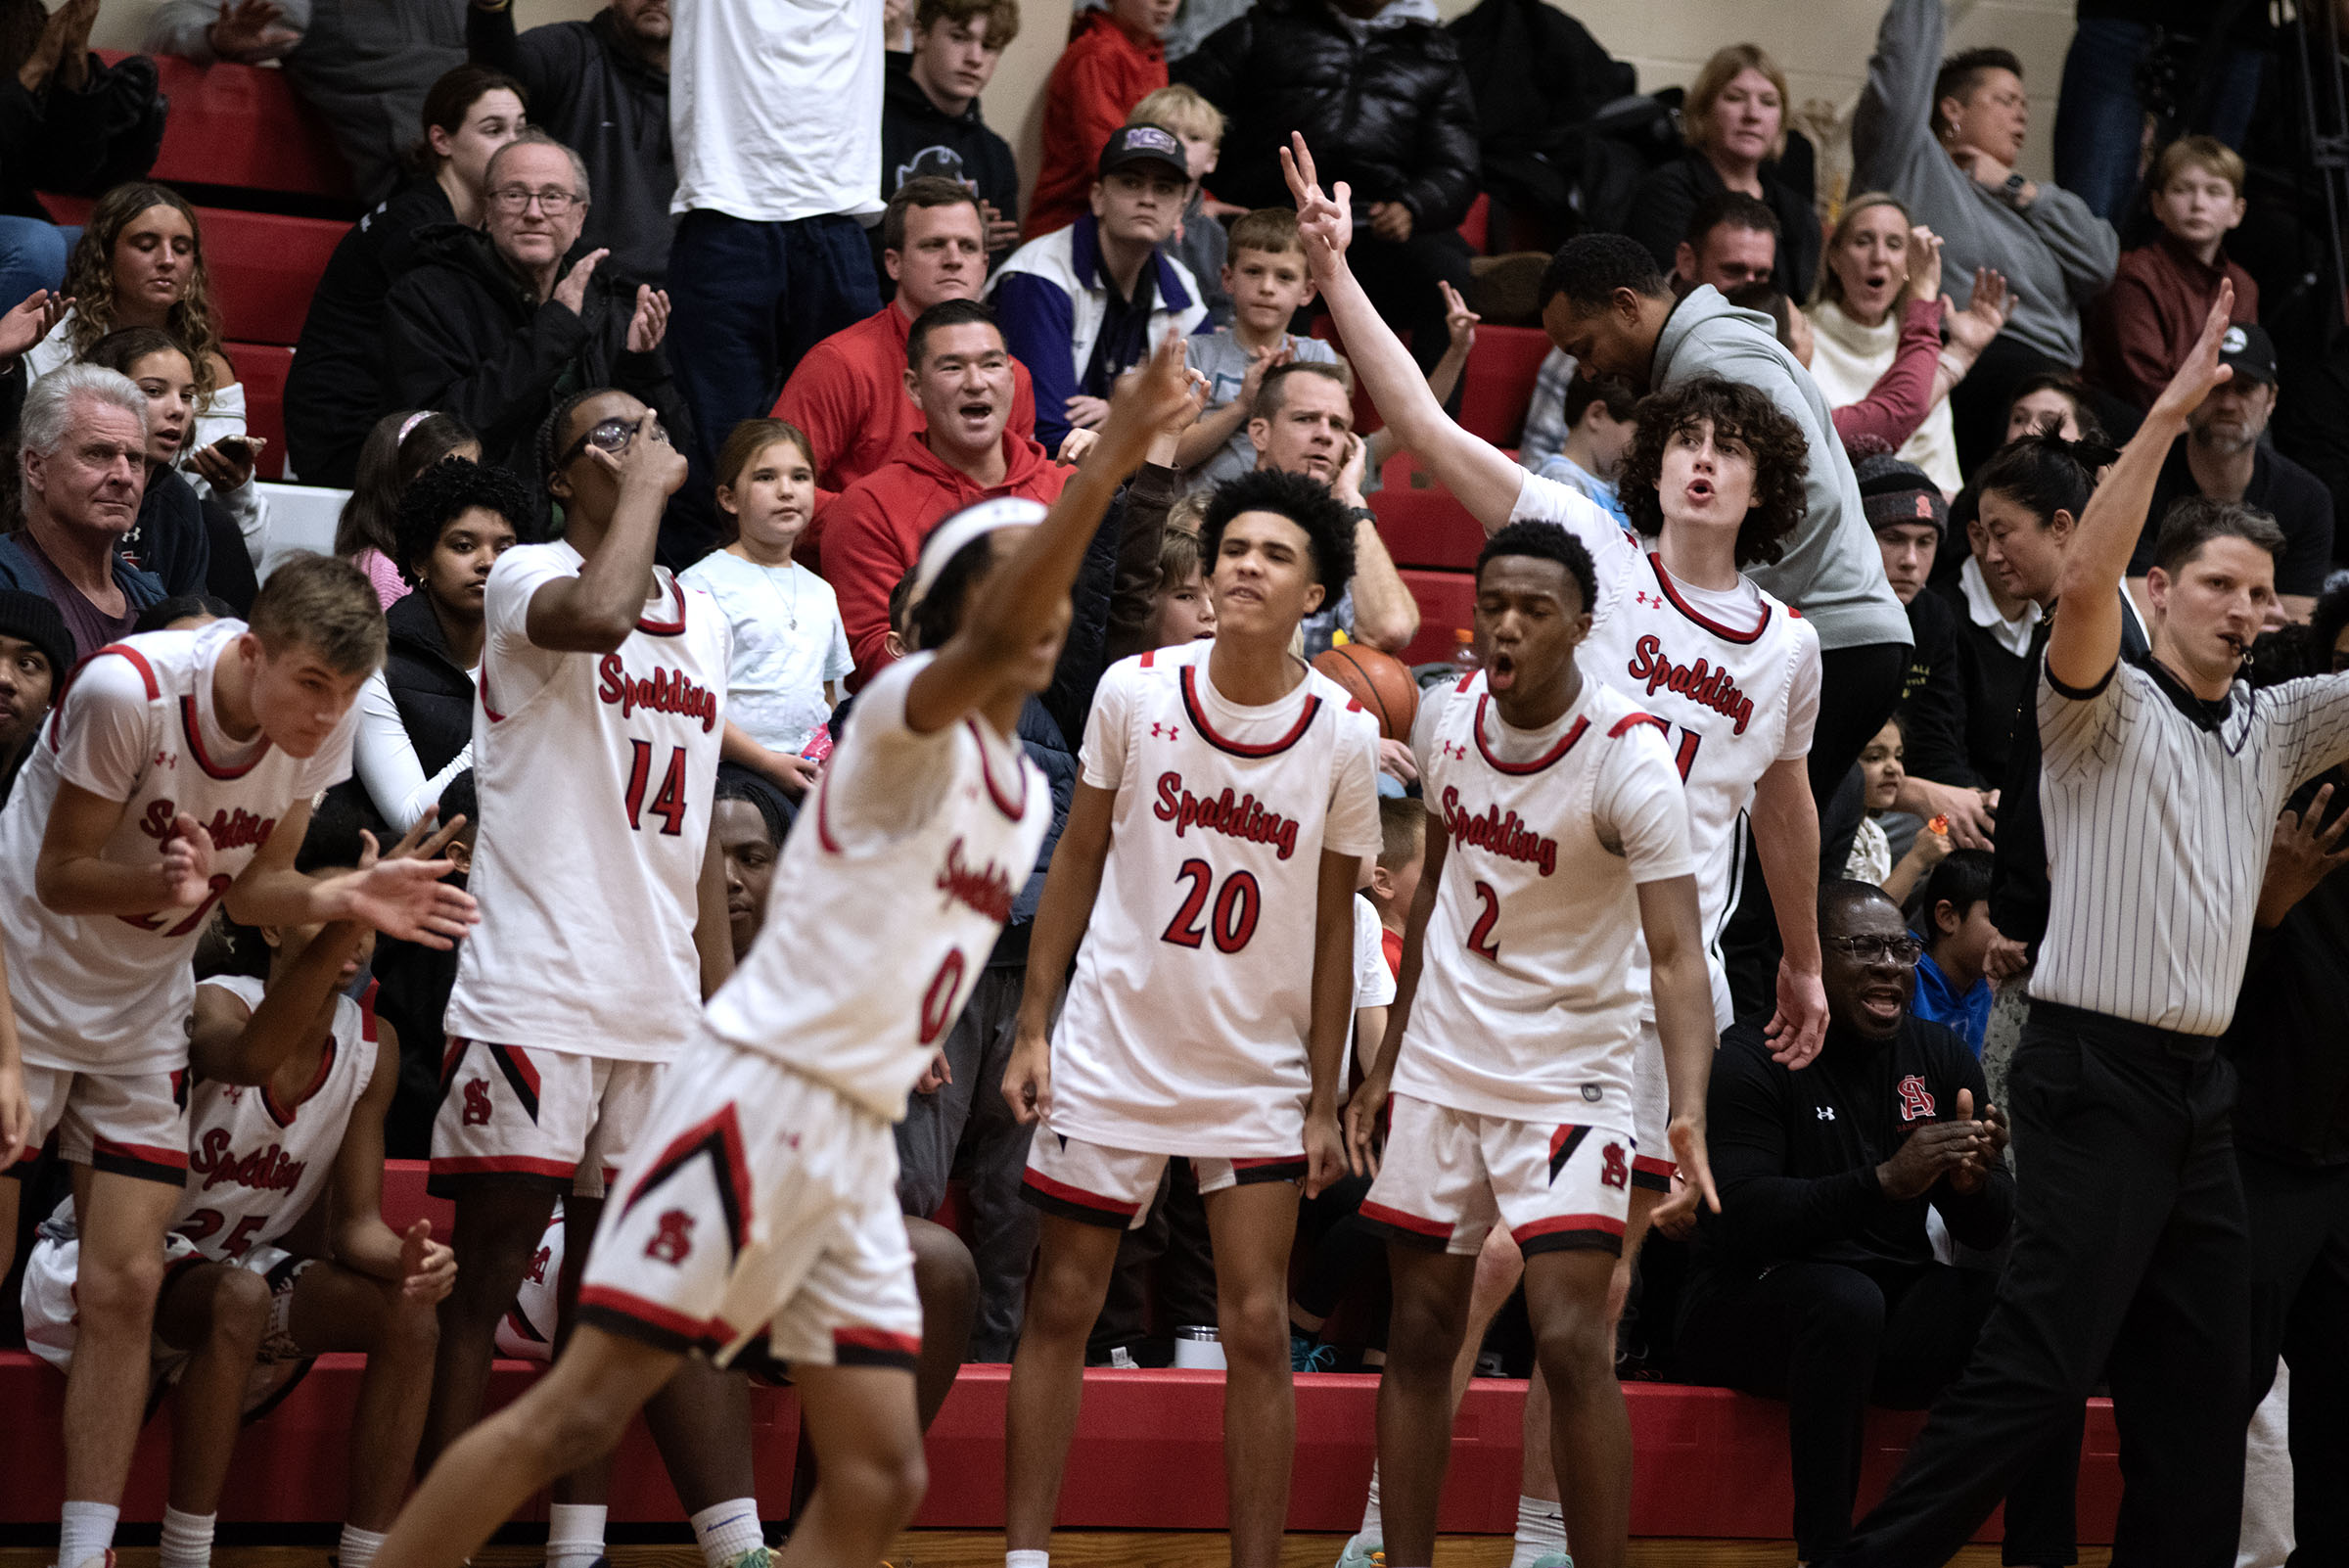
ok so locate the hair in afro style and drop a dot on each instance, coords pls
(1306, 502)
(1546, 541)
(1738, 413)
(447, 490)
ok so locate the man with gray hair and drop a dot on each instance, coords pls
(83, 437)
(495, 326)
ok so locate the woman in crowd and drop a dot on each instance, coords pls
(1734, 119)
(402, 445)
(337, 385)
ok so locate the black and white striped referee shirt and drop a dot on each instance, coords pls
(2159, 810)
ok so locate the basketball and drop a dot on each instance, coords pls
(1381, 682)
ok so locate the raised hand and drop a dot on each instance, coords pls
(650, 324)
(1145, 400)
(1985, 314)
(428, 1269)
(572, 292)
(1925, 263)
(2202, 370)
(28, 322)
(1460, 322)
(403, 899)
(2302, 854)
(186, 871)
(1324, 219)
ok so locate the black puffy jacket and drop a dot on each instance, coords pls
(1386, 108)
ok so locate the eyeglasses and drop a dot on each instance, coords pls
(612, 435)
(515, 199)
(1900, 949)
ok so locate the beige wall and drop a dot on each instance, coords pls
(121, 22)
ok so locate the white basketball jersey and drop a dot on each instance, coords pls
(256, 1165)
(114, 994)
(1526, 1006)
(1186, 1027)
(595, 773)
(887, 903)
(1732, 676)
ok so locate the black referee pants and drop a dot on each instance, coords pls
(1831, 1339)
(2300, 1308)
(2132, 1260)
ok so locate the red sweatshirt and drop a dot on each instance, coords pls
(1101, 75)
(874, 532)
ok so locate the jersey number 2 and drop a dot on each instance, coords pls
(1233, 919)
(669, 804)
(1479, 935)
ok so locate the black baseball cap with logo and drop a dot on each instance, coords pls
(2249, 352)
(1133, 146)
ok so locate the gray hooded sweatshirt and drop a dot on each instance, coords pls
(1832, 569)
(2056, 254)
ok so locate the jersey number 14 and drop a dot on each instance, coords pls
(668, 804)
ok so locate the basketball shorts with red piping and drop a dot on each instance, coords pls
(556, 1119)
(759, 1214)
(1447, 1176)
(130, 1124)
(1111, 1188)
(1651, 1112)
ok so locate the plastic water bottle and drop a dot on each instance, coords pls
(1463, 651)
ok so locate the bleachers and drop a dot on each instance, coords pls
(242, 128)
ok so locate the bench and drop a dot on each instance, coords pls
(244, 128)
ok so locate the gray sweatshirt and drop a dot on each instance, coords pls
(1831, 571)
(2055, 252)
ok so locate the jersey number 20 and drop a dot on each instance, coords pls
(669, 804)
(1232, 921)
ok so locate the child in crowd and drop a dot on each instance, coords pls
(1600, 428)
(1199, 242)
(1950, 986)
(1881, 776)
(1180, 610)
(788, 646)
(1395, 879)
(1113, 62)
(2141, 329)
(402, 445)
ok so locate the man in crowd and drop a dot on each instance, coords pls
(36, 652)
(83, 436)
(960, 377)
(1945, 137)
(498, 326)
(2223, 457)
(1731, 239)
(848, 394)
(1817, 1283)
(1082, 303)
(930, 128)
(600, 86)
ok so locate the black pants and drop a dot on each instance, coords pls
(1830, 1340)
(1169, 1249)
(2300, 1308)
(2131, 1258)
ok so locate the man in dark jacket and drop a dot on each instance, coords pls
(1378, 90)
(1817, 1283)
(599, 87)
(929, 122)
(497, 328)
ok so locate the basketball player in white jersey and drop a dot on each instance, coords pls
(599, 718)
(1558, 829)
(289, 1080)
(175, 773)
(761, 1204)
(1715, 483)
(1227, 798)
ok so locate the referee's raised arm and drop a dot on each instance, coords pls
(2085, 640)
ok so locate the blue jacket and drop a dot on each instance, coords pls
(18, 571)
(1939, 1001)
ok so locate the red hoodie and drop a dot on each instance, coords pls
(874, 532)
(1101, 75)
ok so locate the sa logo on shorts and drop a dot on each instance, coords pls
(672, 1241)
(476, 1102)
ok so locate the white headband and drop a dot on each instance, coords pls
(945, 542)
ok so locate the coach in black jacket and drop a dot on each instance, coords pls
(1817, 1283)
(1379, 93)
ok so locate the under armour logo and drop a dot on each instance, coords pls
(1645, 597)
(1455, 750)
(233, 1092)
(476, 1102)
(674, 1240)
(165, 759)
(1826, 1113)
(1170, 731)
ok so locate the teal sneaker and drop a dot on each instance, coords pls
(1361, 1553)
(1556, 1559)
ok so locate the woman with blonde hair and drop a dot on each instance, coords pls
(1734, 122)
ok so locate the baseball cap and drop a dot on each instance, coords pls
(2250, 351)
(1130, 145)
(1892, 491)
(29, 617)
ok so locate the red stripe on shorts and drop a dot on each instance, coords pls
(1077, 1195)
(1380, 1214)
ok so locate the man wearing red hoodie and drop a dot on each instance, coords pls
(962, 376)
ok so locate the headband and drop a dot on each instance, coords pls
(410, 423)
(946, 540)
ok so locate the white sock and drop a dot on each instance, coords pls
(85, 1530)
(1027, 1559)
(1541, 1531)
(575, 1534)
(726, 1530)
(187, 1538)
(359, 1547)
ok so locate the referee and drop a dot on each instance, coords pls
(2161, 784)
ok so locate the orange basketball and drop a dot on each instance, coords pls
(1381, 682)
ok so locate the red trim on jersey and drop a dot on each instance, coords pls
(1077, 1195)
(1726, 633)
(64, 685)
(138, 660)
(866, 1337)
(189, 722)
(823, 820)
(1604, 1224)
(455, 1165)
(1631, 722)
(1015, 810)
(663, 629)
(1149, 656)
(1662, 1167)
(652, 1313)
(170, 1159)
(283, 1114)
(1464, 680)
(495, 718)
(720, 1136)
(1380, 1214)
(1574, 732)
(1190, 703)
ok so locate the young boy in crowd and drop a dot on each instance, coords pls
(1264, 277)
(1112, 63)
(1884, 770)
(1600, 428)
(1199, 241)
(1952, 987)
(2143, 326)
(1395, 879)
(1180, 609)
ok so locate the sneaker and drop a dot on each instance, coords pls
(759, 1557)
(1122, 1360)
(1308, 1355)
(1361, 1553)
(1555, 1560)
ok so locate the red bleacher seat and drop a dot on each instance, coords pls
(1497, 385)
(1446, 606)
(243, 126)
(263, 369)
(1422, 523)
(264, 266)
(1476, 227)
